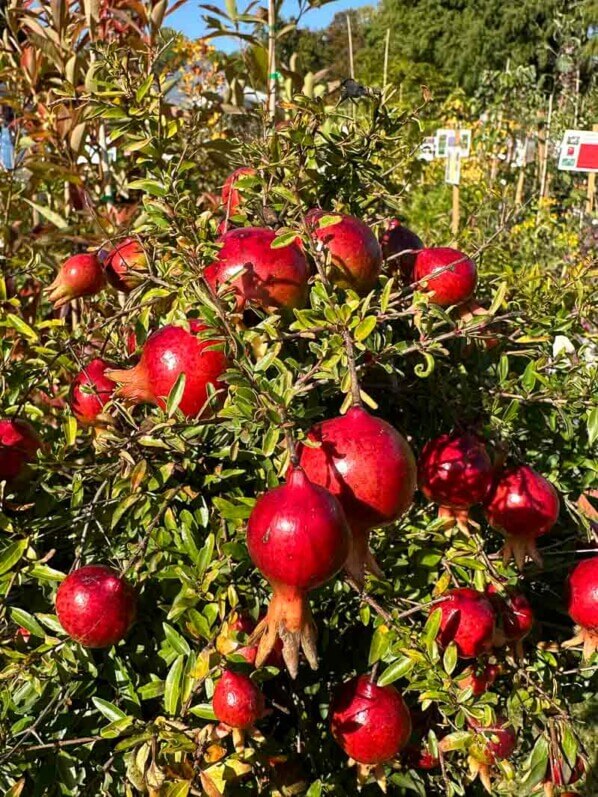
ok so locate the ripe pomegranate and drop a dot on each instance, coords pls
(237, 701)
(455, 471)
(18, 446)
(355, 254)
(582, 605)
(370, 468)
(515, 616)
(298, 537)
(480, 679)
(448, 275)
(371, 723)
(493, 743)
(468, 621)
(258, 274)
(399, 248)
(126, 265)
(231, 197)
(522, 505)
(91, 391)
(80, 275)
(96, 606)
(166, 354)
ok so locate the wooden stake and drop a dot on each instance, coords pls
(271, 59)
(546, 148)
(386, 51)
(350, 36)
(520, 186)
(456, 214)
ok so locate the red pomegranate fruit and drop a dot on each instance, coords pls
(493, 743)
(478, 678)
(446, 274)
(455, 471)
(298, 538)
(231, 196)
(467, 619)
(399, 248)
(126, 265)
(91, 391)
(522, 505)
(582, 605)
(355, 254)
(514, 614)
(258, 274)
(370, 468)
(371, 723)
(80, 275)
(166, 354)
(237, 701)
(96, 606)
(18, 446)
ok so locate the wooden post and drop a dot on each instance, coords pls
(591, 185)
(386, 51)
(521, 178)
(350, 36)
(456, 213)
(546, 148)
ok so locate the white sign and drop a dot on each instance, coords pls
(452, 173)
(447, 137)
(525, 152)
(579, 151)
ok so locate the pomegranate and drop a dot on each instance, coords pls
(493, 743)
(126, 265)
(514, 613)
(371, 723)
(455, 471)
(355, 254)
(522, 505)
(370, 468)
(231, 197)
(479, 679)
(399, 248)
(259, 275)
(80, 275)
(582, 605)
(298, 537)
(417, 756)
(91, 391)
(96, 606)
(166, 354)
(228, 641)
(467, 620)
(18, 446)
(446, 274)
(237, 701)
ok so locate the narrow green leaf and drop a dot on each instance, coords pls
(109, 710)
(28, 621)
(175, 395)
(365, 327)
(172, 687)
(49, 214)
(10, 555)
(398, 669)
(22, 327)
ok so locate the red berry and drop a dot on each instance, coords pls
(371, 723)
(237, 701)
(96, 606)
(298, 537)
(369, 467)
(522, 505)
(126, 265)
(91, 391)
(231, 197)
(468, 621)
(80, 275)
(454, 470)
(399, 248)
(260, 275)
(355, 254)
(18, 446)
(514, 613)
(166, 354)
(447, 274)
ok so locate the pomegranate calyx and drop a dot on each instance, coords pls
(133, 385)
(587, 638)
(519, 548)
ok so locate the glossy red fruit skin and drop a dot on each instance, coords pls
(454, 470)
(371, 723)
(522, 503)
(80, 275)
(500, 741)
(468, 620)
(96, 606)
(258, 274)
(166, 354)
(87, 406)
(355, 253)
(456, 281)
(18, 446)
(231, 197)
(398, 238)
(557, 775)
(480, 680)
(125, 265)
(582, 594)
(237, 701)
(514, 612)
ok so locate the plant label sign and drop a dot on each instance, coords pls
(448, 137)
(452, 172)
(579, 151)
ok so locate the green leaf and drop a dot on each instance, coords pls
(365, 327)
(109, 710)
(49, 214)
(16, 322)
(175, 395)
(177, 642)
(449, 660)
(432, 625)
(28, 621)
(178, 789)
(286, 239)
(172, 687)
(149, 186)
(204, 711)
(11, 554)
(458, 740)
(396, 670)
(380, 642)
(593, 426)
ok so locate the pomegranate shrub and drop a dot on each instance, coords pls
(271, 505)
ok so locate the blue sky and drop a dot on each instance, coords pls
(188, 18)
